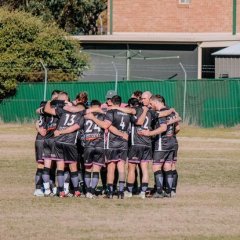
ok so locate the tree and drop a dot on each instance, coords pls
(24, 41)
(74, 16)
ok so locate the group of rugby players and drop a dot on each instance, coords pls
(77, 143)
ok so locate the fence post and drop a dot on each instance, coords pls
(45, 80)
(116, 76)
(185, 91)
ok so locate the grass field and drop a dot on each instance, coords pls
(207, 205)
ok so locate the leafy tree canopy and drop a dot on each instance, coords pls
(25, 41)
(74, 16)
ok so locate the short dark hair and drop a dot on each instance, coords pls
(158, 98)
(116, 100)
(133, 102)
(95, 103)
(55, 91)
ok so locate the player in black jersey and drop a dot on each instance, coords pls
(117, 123)
(163, 148)
(42, 126)
(41, 133)
(64, 142)
(94, 158)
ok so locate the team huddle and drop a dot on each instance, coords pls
(77, 142)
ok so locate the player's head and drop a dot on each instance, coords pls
(116, 100)
(82, 97)
(133, 102)
(109, 96)
(54, 94)
(95, 103)
(156, 102)
(63, 96)
(161, 98)
(145, 98)
(137, 94)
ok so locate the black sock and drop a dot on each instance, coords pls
(95, 179)
(158, 175)
(175, 180)
(169, 181)
(103, 173)
(87, 179)
(38, 178)
(144, 186)
(74, 178)
(130, 187)
(110, 188)
(46, 175)
(60, 179)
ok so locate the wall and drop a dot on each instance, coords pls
(170, 16)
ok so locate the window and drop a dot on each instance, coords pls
(184, 1)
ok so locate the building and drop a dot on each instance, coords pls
(148, 39)
(227, 62)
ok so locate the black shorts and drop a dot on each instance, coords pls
(161, 157)
(115, 155)
(49, 149)
(66, 152)
(139, 154)
(175, 154)
(94, 156)
(39, 151)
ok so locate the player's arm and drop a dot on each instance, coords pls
(127, 110)
(94, 110)
(115, 131)
(142, 117)
(177, 128)
(161, 129)
(74, 109)
(67, 130)
(40, 130)
(102, 124)
(174, 120)
(48, 109)
(165, 113)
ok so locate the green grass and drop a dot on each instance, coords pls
(207, 205)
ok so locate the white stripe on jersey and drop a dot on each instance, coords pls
(104, 140)
(160, 143)
(75, 141)
(108, 134)
(132, 135)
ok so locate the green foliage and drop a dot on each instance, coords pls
(25, 41)
(74, 16)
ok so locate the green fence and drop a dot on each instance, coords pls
(208, 102)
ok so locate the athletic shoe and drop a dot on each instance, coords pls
(158, 195)
(90, 195)
(108, 195)
(120, 195)
(38, 193)
(68, 194)
(62, 194)
(142, 195)
(54, 191)
(47, 192)
(167, 195)
(77, 194)
(127, 194)
(173, 194)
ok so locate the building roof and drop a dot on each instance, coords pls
(155, 37)
(229, 51)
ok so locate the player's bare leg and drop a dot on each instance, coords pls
(46, 177)
(168, 177)
(74, 178)
(38, 180)
(145, 178)
(130, 179)
(110, 178)
(121, 174)
(158, 176)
